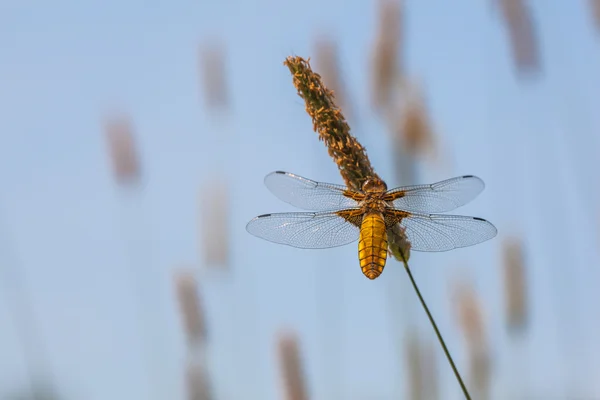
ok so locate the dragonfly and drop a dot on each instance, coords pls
(340, 216)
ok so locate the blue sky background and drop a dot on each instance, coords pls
(67, 228)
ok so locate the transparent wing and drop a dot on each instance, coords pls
(437, 197)
(307, 194)
(445, 232)
(305, 230)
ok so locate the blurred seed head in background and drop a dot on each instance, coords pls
(412, 124)
(387, 62)
(515, 284)
(469, 313)
(328, 64)
(190, 307)
(292, 370)
(415, 361)
(519, 23)
(213, 75)
(197, 382)
(214, 223)
(595, 12)
(122, 149)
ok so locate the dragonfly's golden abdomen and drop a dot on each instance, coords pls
(372, 245)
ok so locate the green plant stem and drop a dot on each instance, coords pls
(437, 332)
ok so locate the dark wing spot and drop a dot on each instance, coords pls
(468, 176)
(479, 219)
(281, 172)
(264, 215)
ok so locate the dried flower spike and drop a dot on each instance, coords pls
(329, 122)
(349, 155)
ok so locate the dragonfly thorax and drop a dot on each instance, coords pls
(373, 205)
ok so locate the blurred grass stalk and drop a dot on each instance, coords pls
(38, 367)
(399, 102)
(422, 369)
(515, 285)
(431, 384)
(386, 67)
(41, 390)
(522, 35)
(214, 195)
(214, 223)
(294, 379)
(198, 386)
(353, 163)
(470, 319)
(387, 77)
(329, 286)
(123, 153)
(216, 198)
(516, 315)
(595, 11)
(212, 70)
(415, 367)
(122, 150)
(194, 324)
(411, 138)
(327, 58)
(410, 126)
(192, 313)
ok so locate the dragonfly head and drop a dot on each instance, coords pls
(374, 185)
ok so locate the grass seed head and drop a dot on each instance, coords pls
(522, 34)
(186, 287)
(122, 150)
(198, 383)
(214, 223)
(515, 286)
(291, 367)
(213, 75)
(329, 122)
(385, 63)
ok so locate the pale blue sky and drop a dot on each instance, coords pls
(65, 64)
